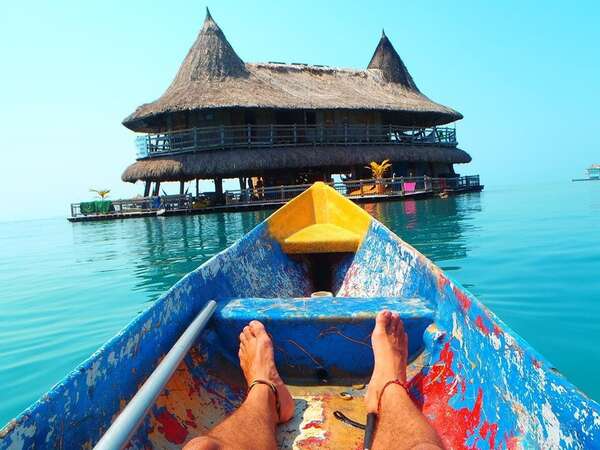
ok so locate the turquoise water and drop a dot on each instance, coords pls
(530, 253)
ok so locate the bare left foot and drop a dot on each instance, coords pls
(258, 362)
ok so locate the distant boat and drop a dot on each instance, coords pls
(593, 173)
(479, 383)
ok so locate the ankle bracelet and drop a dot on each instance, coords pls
(274, 389)
(402, 384)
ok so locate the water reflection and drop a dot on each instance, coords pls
(171, 247)
(435, 227)
(159, 251)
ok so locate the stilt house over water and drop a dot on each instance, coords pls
(288, 123)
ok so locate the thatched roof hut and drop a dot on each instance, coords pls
(213, 76)
(215, 87)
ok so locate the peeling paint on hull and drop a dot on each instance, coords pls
(480, 384)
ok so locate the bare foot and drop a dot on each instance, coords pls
(390, 348)
(258, 362)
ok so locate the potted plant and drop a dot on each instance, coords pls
(378, 171)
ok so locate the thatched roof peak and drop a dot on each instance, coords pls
(387, 59)
(213, 76)
(211, 57)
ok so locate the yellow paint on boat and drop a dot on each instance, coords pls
(320, 220)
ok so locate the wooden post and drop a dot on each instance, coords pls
(156, 189)
(147, 188)
(197, 188)
(219, 187)
(181, 187)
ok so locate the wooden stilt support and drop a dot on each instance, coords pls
(147, 188)
(197, 187)
(181, 187)
(219, 188)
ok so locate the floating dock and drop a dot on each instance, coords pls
(359, 191)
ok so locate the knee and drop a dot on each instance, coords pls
(203, 443)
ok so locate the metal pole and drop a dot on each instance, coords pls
(126, 423)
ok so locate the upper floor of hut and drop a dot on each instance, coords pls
(219, 101)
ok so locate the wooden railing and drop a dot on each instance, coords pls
(254, 136)
(396, 186)
(390, 187)
(140, 204)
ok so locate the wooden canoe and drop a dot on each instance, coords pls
(480, 384)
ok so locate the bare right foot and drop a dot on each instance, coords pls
(390, 348)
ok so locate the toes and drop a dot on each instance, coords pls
(393, 323)
(243, 337)
(257, 328)
(381, 320)
(247, 332)
(400, 331)
(399, 327)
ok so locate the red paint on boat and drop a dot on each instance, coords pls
(170, 428)
(191, 419)
(455, 426)
(463, 299)
(497, 330)
(481, 325)
(490, 429)
(512, 443)
(312, 424)
(311, 442)
(442, 282)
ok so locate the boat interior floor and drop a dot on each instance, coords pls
(322, 351)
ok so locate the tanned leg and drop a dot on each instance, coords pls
(400, 424)
(253, 425)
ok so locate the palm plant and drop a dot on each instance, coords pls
(103, 193)
(379, 170)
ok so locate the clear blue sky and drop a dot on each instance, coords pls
(524, 74)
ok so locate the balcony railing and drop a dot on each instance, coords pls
(255, 136)
(370, 188)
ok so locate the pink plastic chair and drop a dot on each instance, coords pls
(409, 187)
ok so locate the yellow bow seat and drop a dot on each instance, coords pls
(320, 220)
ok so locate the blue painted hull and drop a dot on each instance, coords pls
(480, 384)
